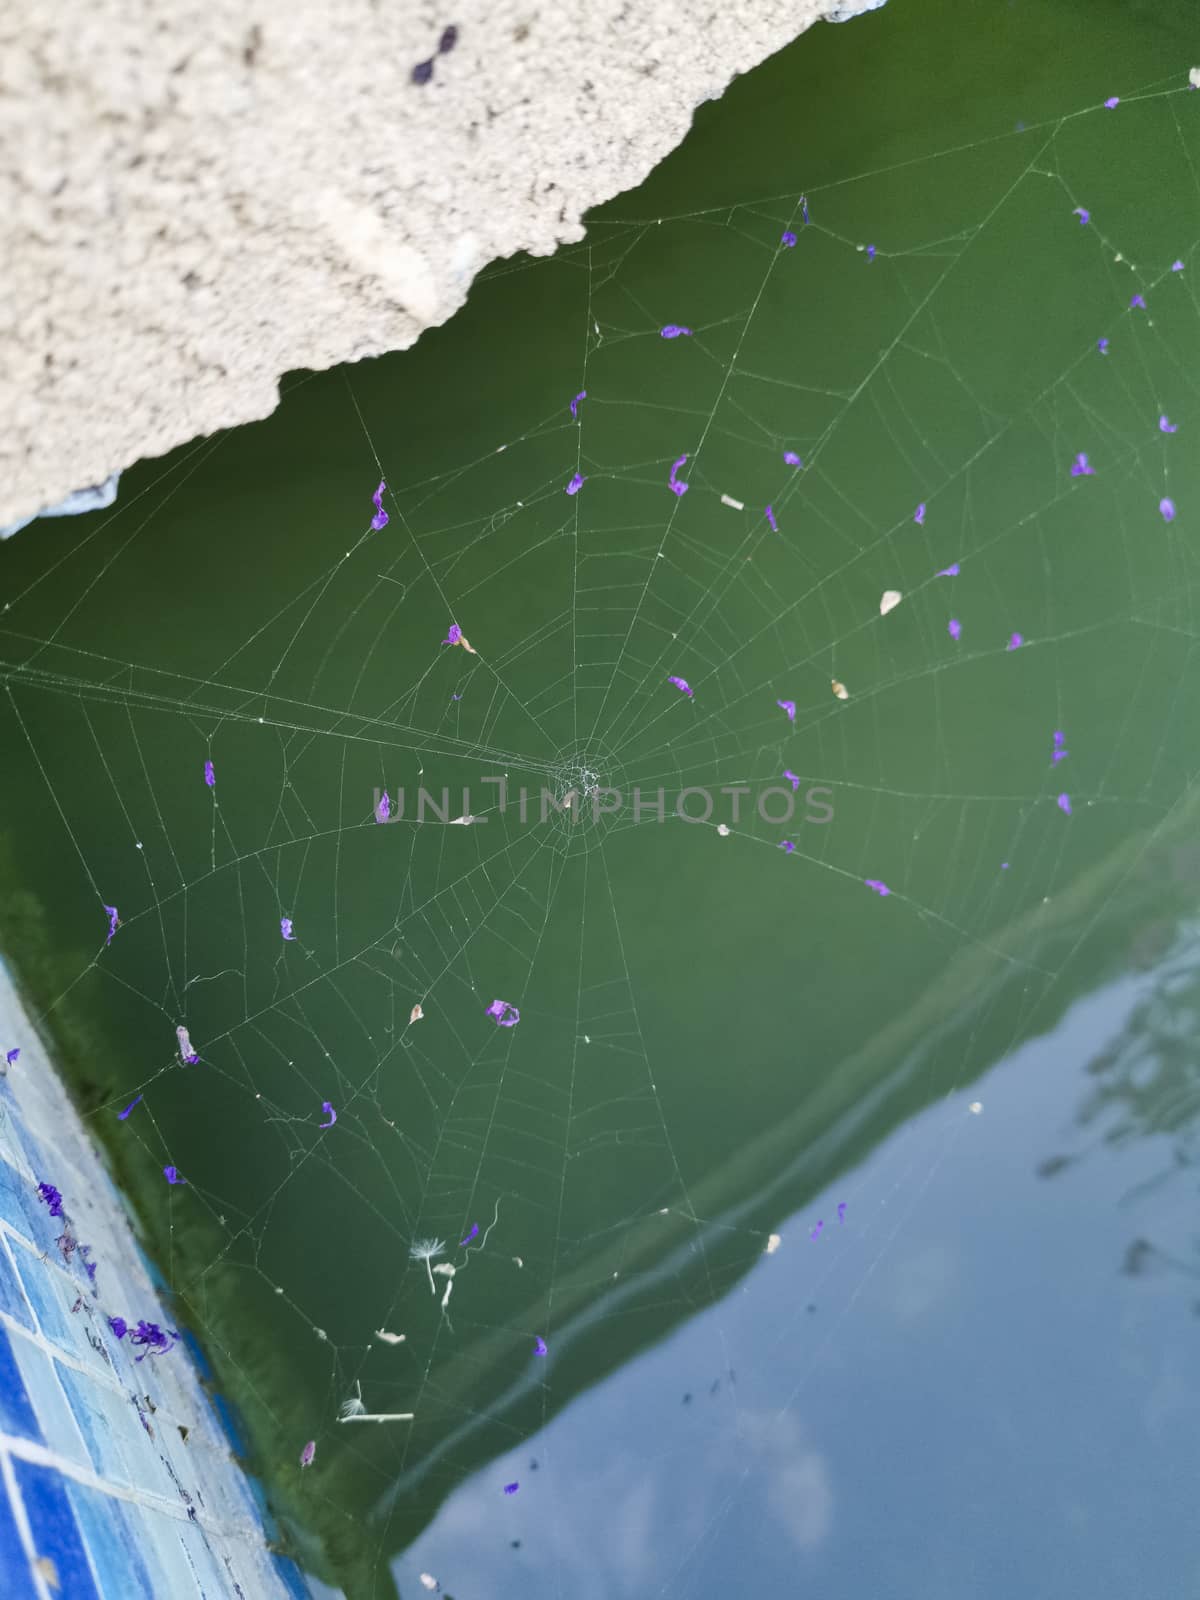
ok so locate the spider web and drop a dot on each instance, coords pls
(717, 1036)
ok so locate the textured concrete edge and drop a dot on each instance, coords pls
(195, 204)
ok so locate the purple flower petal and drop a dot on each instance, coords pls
(171, 1174)
(1059, 754)
(954, 628)
(879, 887)
(673, 481)
(673, 331)
(919, 515)
(948, 572)
(285, 927)
(1167, 427)
(330, 1113)
(788, 239)
(12, 1056)
(448, 40)
(789, 706)
(1064, 803)
(1084, 216)
(1081, 467)
(307, 1454)
(577, 482)
(1137, 301)
(423, 71)
(380, 519)
(1102, 346)
(682, 685)
(771, 520)
(454, 635)
(1167, 509)
(1177, 266)
(114, 922)
(791, 459)
(539, 1345)
(582, 395)
(1015, 642)
(842, 1212)
(210, 776)
(511, 1488)
(870, 252)
(816, 1233)
(119, 1326)
(51, 1199)
(506, 1014)
(384, 809)
(1113, 101)
(463, 1243)
(793, 780)
(787, 844)
(186, 1054)
(122, 1115)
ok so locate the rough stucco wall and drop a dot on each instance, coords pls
(196, 199)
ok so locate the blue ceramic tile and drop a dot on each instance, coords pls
(292, 1578)
(15, 1577)
(24, 1212)
(93, 1413)
(115, 1556)
(16, 1413)
(12, 1298)
(42, 1285)
(55, 1530)
(229, 1422)
(48, 1401)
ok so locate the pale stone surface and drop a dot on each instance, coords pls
(196, 199)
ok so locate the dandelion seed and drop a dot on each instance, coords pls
(773, 1244)
(1167, 427)
(122, 1115)
(793, 780)
(463, 1243)
(506, 1014)
(582, 395)
(577, 482)
(954, 628)
(840, 690)
(788, 240)
(1167, 510)
(1084, 216)
(539, 1345)
(380, 519)
(511, 1488)
(186, 1054)
(307, 1454)
(789, 706)
(1015, 641)
(791, 459)
(114, 922)
(427, 1250)
(1064, 804)
(171, 1174)
(285, 927)
(770, 515)
(673, 331)
(948, 572)
(878, 885)
(210, 776)
(330, 1113)
(415, 1014)
(1081, 467)
(682, 685)
(919, 515)
(889, 600)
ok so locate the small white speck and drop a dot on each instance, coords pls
(773, 1244)
(728, 500)
(723, 830)
(976, 1106)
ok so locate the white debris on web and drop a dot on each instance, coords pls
(728, 500)
(390, 1338)
(463, 821)
(1194, 77)
(430, 1582)
(415, 1014)
(723, 829)
(773, 1244)
(976, 1106)
(889, 600)
(840, 690)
